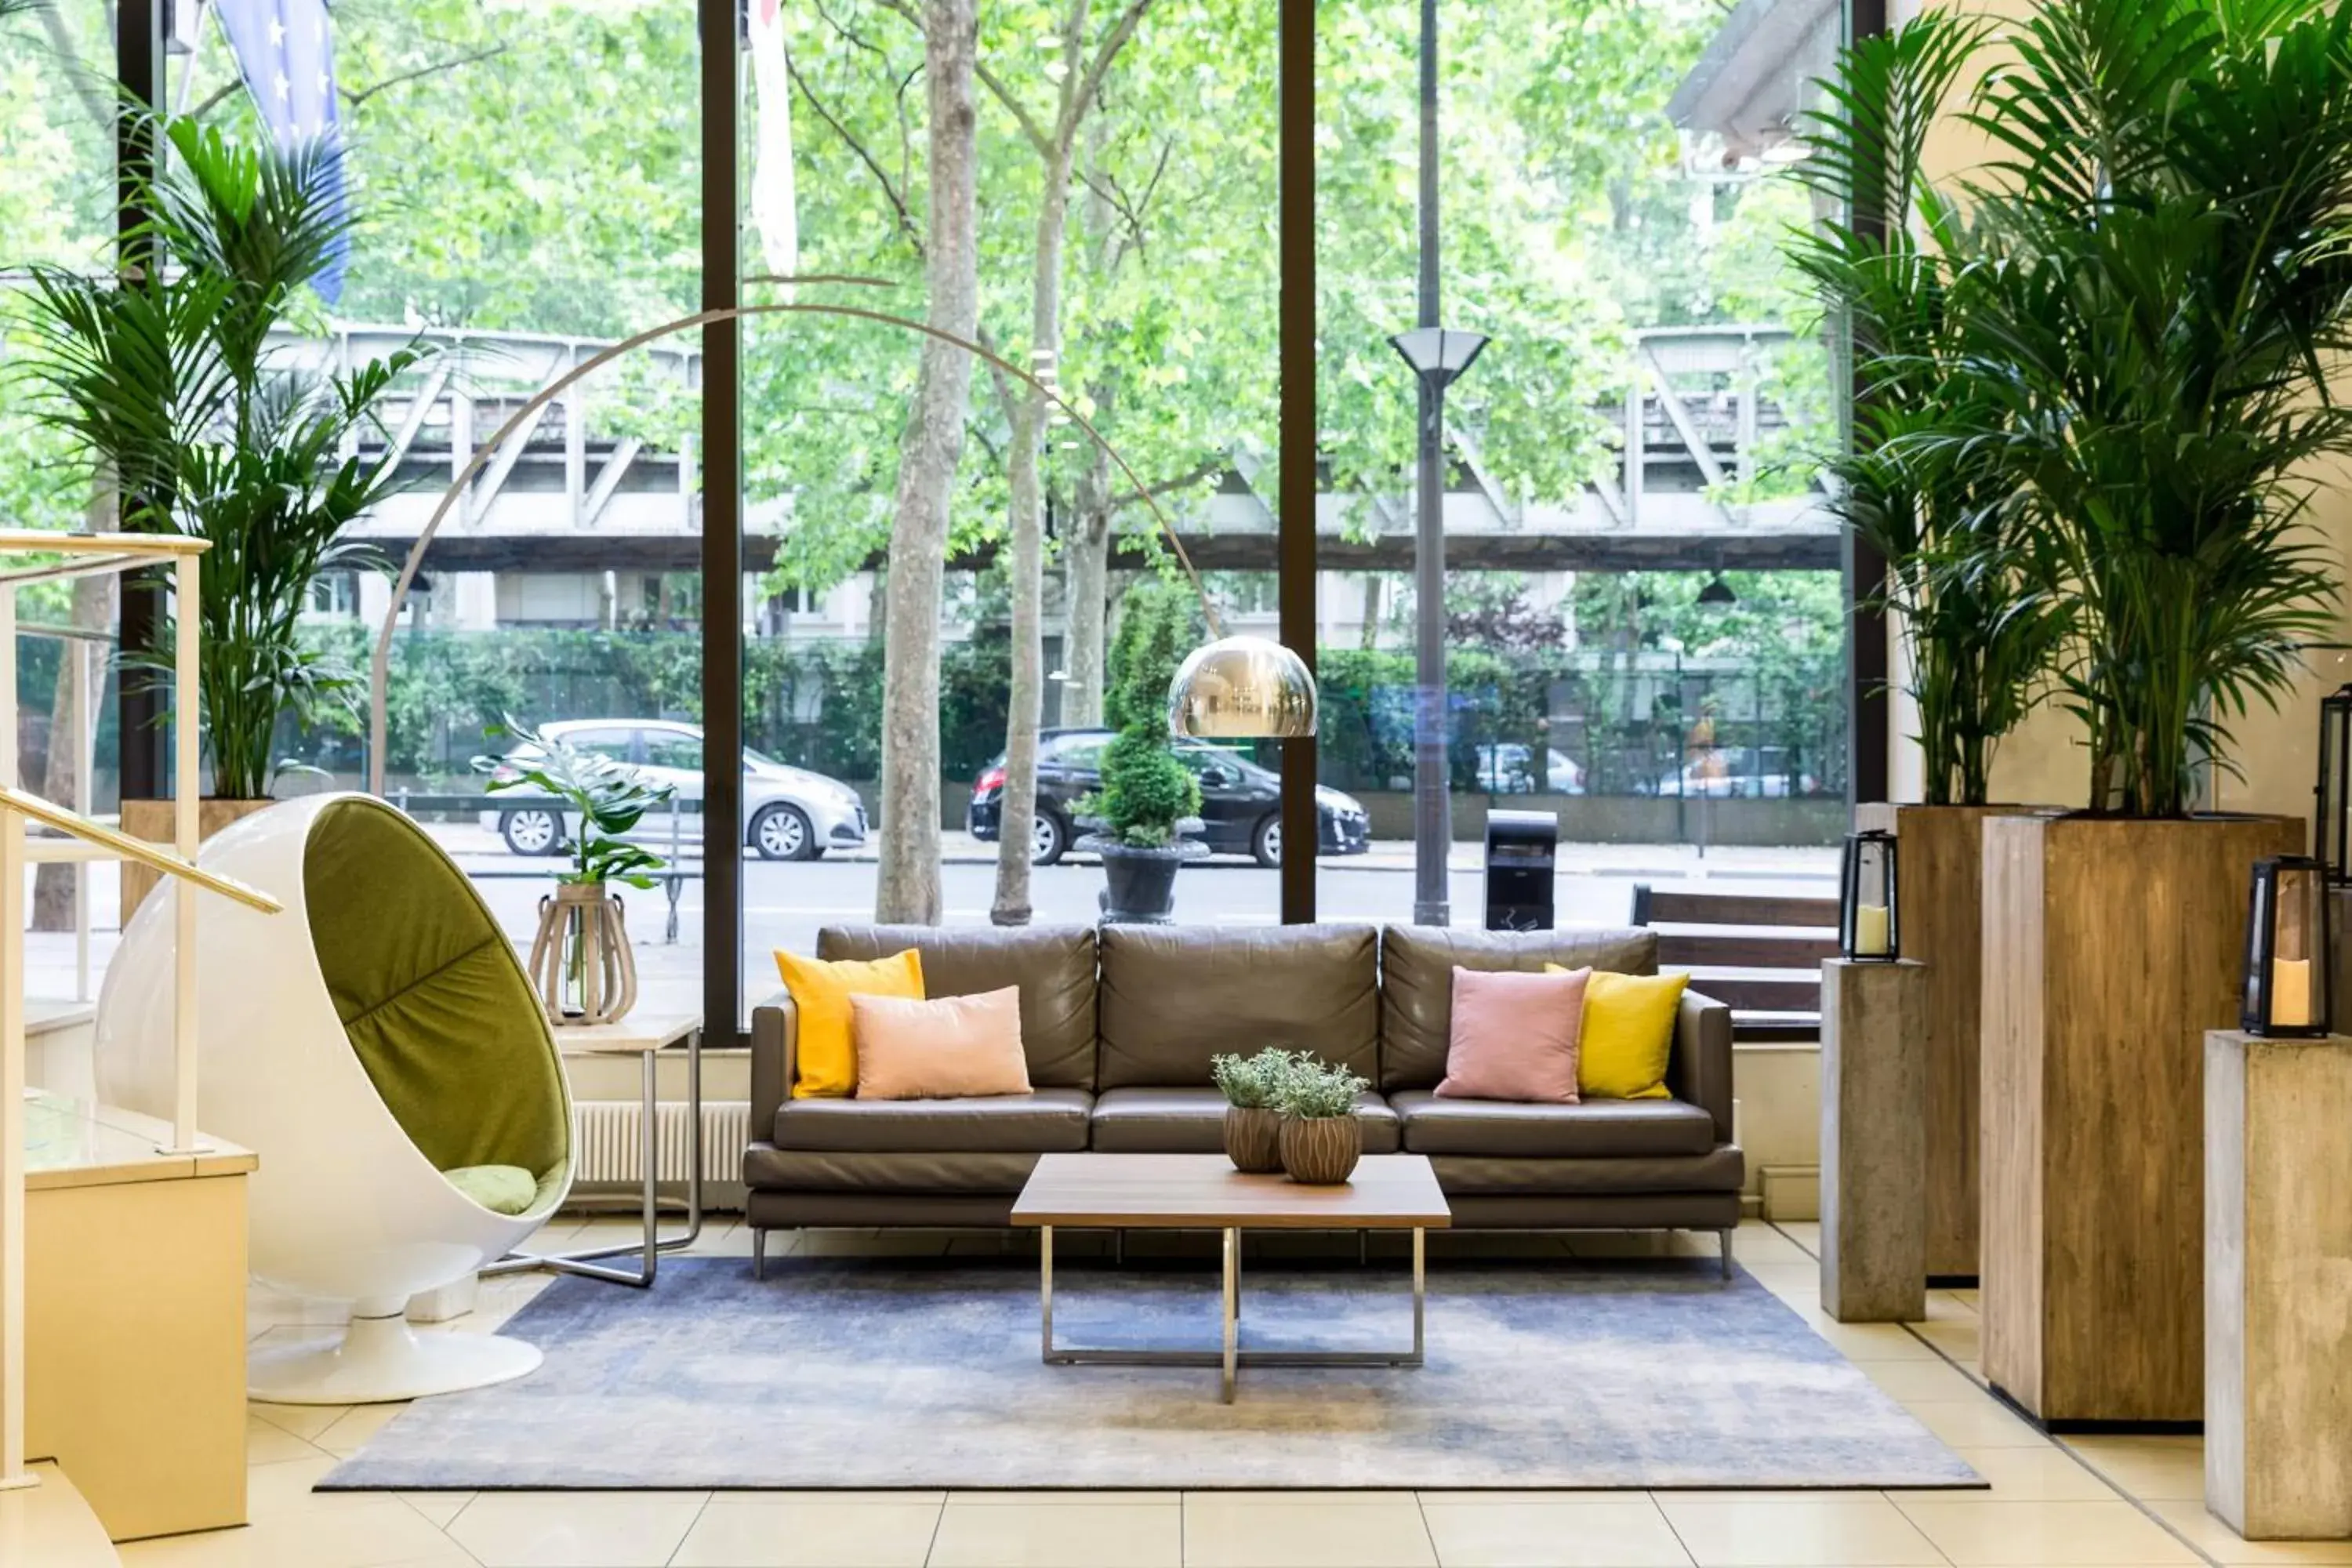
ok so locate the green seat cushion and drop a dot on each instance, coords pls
(502, 1189)
(432, 997)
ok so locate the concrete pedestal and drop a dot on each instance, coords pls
(2278, 1270)
(1873, 1141)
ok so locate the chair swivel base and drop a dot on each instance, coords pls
(379, 1360)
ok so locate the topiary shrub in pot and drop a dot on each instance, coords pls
(1252, 1089)
(1320, 1139)
(1145, 805)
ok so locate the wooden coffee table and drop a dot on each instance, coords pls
(1203, 1192)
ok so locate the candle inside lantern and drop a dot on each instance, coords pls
(2291, 993)
(1870, 931)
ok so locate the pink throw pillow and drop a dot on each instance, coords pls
(1514, 1037)
(949, 1047)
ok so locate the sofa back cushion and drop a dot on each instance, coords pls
(1417, 964)
(1173, 996)
(1052, 965)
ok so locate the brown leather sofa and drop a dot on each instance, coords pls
(1119, 1028)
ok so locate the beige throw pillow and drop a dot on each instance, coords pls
(949, 1047)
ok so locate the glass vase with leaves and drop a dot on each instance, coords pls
(580, 960)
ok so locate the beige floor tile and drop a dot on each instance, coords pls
(1950, 1307)
(1867, 1341)
(350, 1431)
(1922, 1380)
(810, 1535)
(729, 1499)
(2223, 1545)
(1760, 1244)
(1958, 1338)
(266, 1443)
(576, 1529)
(1335, 1529)
(2047, 1474)
(1052, 1499)
(287, 1486)
(1805, 1232)
(438, 1507)
(1812, 1532)
(305, 1421)
(1981, 1421)
(2151, 1468)
(1060, 1535)
(1987, 1533)
(1497, 1534)
(384, 1531)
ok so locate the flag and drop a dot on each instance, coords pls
(772, 198)
(287, 61)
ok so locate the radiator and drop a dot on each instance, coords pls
(606, 1137)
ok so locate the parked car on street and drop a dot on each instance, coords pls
(1241, 802)
(1508, 767)
(789, 814)
(1737, 773)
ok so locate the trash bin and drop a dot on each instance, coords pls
(1522, 848)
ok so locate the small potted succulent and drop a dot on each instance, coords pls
(1253, 1087)
(1320, 1139)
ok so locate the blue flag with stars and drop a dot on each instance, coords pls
(287, 61)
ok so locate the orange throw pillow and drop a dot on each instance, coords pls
(950, 1047)
(826, 1059)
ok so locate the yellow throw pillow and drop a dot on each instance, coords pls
(1628, 1033)
(821, 991)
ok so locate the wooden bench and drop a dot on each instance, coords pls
(1760, 954)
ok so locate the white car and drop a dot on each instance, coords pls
(1507, 768)
(790, 813)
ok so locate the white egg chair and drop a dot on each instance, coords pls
(379, 1046)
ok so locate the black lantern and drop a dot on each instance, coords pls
(1866, 922)
(2287, 969)
(2332, 816)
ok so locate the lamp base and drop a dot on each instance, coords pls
(380, 1359)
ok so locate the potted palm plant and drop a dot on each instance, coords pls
(168, 380)
(2159, 293)
(1979, 627)
(580, 959)
(1321, 1140)
(1253, 1087)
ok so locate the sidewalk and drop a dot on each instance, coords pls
(1661, 861)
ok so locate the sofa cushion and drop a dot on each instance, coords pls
(1052, 965)
(1173, 996)
(771, 1169)
(1192, 1121)
(1417, 964)
(1722, 1168)
(1047, 1121)
(1590, 1129)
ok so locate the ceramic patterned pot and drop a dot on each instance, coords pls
(1254, 1139)
(1321, 1150)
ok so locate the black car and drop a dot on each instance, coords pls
(1240, 801)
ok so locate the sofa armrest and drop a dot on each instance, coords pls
(1699, 1070)
(775, 1045)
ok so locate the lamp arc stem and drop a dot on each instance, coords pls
(380, 664)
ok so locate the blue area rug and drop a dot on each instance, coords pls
(857, 1372)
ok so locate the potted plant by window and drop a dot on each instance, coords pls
(1145, 805)
(1320, 1139)
(2155, 298)
(581, 960)
(1979, 627)
(167, 380)
(1253, 1089)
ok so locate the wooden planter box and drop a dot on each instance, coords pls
(2110, 947)
(152, 820)
(1942, 920)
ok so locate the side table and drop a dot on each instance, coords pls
(645, 1037)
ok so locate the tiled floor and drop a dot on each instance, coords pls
(2129, 1503)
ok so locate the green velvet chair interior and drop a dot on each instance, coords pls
(436, 1005)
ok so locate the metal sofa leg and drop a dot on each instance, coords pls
(758, 1252)
(1724, 1238)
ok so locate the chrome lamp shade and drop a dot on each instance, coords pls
(1240, 688)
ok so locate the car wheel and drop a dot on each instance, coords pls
(1265, 844)
(782, 832)
(1047, 839)
(534, 830)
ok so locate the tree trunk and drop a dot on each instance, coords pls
(1085, 574)
(1369, 635)
(93, 611)
(906, 886)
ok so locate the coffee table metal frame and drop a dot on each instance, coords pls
(1232, 1358)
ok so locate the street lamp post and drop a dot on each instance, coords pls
(1437, 357)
